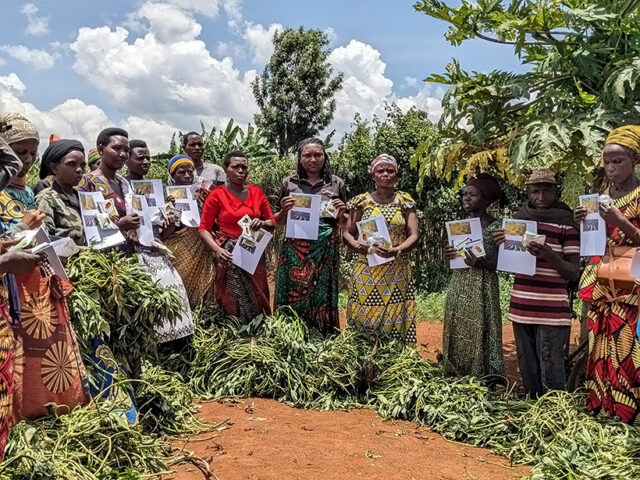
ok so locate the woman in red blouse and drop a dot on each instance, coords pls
(239, 294)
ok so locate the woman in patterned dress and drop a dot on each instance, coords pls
(613, 365)
(16, 130)
(155, 261)
(382, 297)
(238, 293)
(193, 260)
(472, 318)
(309, 272)
(47, 362)
(113, 145)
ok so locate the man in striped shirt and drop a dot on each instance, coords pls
(540, 309)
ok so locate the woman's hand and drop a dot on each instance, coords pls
(19, 261)
(129, 222)
(450, 253)
(579, 214)
(221, 255)
(498, 236)
(286, 204)
(392, 252)
(362, 247)
(256, 224)
(340, 206)
(612, 214)
(32, 219)
(171, 199)
(472, 260)
(203, 193)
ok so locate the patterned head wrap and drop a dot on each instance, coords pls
(17, 128)
(627, 136)
(384, 158)
(93, 156)
(178, 160)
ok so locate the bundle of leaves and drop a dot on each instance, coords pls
(91, 443)
(115, 299)
(165, 403)
(284, 361)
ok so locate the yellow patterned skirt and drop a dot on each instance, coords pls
(382, 299)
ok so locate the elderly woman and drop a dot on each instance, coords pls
(239, 294)
(382, 296)
(47, 357)
(309, 272)
(613, 366)
(191, 258)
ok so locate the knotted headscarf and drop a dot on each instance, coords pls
(54, 152)
(16, 128)
(384, 158)
(178, 160)
(488, 186)
(627, 136)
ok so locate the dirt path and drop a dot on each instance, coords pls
(267, 440)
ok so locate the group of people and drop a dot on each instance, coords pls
(39, 358)
(540, 305)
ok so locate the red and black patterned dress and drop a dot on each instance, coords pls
(613, 366)
(6, 370)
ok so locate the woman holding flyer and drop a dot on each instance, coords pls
(308, 274)
(472, 317)
(153, 258)
(113, 145)
(46, 354)
(193, 260)
(382, 297)
(231, 208)
(613, 365)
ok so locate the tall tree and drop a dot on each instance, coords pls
(295, 93)
(582, 80)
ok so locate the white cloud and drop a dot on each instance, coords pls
(260, 40)
(411, 81)
(75, 119)
(38, 59)
(177, 82)
(365, 87)
(331, 34)
(36, 25)
(156, 134)
(167, 22)
(211, 8)
(428, 99)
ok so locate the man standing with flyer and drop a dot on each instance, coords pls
(540, 309)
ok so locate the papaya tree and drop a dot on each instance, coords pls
(581, 80)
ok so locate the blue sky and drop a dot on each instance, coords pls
(378, 44)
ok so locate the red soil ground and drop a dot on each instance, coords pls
(266, 440)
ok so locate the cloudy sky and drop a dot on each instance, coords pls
(157, 66)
